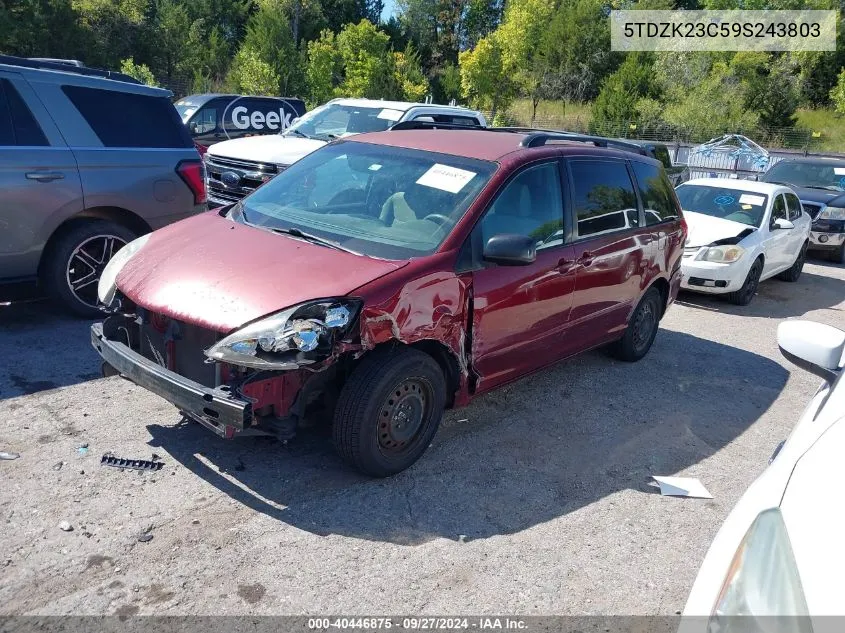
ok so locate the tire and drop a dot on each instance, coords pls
(379, 432)
(744, 295)
(80, 256)
(642, 328)
(794, 272)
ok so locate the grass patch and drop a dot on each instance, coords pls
(550, 113)
(829, 124)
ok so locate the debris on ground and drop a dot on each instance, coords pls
(9, 456)
(134, 464)
(82, 449)
(682, 487)
(145, 537)
(58, 465)
(65, 526)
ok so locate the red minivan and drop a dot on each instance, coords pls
(386, 277)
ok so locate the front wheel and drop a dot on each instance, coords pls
(642, 328)
(745, 294)
(389, 410)
(73, 266)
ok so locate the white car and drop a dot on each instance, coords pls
(237, 167)
(781, 550)
(741, 232)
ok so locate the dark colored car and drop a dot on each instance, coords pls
(218, 117)
(387, 276)
(820, 184)
(89, 160)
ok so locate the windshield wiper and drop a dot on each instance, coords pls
(314, 239)
(298, 133)
(824, 187)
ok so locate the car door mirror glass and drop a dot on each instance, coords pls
(780, 223)
(509, 249)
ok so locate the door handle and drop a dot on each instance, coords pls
(586, 259)
(44, 176)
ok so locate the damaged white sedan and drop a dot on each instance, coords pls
(741, 232)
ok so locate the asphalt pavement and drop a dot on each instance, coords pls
(533, 500)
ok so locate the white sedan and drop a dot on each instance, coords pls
(781, 550)
(740, 233)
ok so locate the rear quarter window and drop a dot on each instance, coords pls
(656, 193)
(125, 119)
(17, 124)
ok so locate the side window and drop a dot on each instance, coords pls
(656, 193)
(25, 128)
(793, 206)
(531, 205)
(778, 209)
(127, 119)
(7, 133)
(204, 121)
(603, 197)
(455, 119)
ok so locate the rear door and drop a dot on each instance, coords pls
(521, 312)
(613, 249)
(39, 180)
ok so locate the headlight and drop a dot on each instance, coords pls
(722, 254)
(107, 286)
(297, 336)
(832, 213)
(762, 581)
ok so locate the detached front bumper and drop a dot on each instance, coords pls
(216, 409)
(712, 277)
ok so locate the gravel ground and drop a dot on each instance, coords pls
(534, 500)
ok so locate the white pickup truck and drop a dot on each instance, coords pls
(236, 168)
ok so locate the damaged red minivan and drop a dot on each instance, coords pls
(386, 277)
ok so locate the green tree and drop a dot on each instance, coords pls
(770, 85)
(112, 29)
(323, 68)
(41, 28)
(410, 79)
(837, 93)
(483, 81)
(449, 83)
(364, 52)
(141, 72)
(252, 75)
(622, 91)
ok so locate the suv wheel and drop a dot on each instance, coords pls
(642, 328)
(794, 272)
(745, 294)
(388, 411)
(76, 261)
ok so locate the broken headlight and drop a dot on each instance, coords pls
(107, 285)
(722, 254)
(297, 336)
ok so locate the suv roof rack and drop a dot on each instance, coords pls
(65, 66)
(434, 125)
(538, 137)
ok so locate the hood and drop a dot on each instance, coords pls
(270, 148)
(705, 229)
(830, 198)
(212, 272)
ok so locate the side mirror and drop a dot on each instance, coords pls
(780, 223)
(815, 347)
(509, 249)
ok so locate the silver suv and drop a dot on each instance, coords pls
(89, 160)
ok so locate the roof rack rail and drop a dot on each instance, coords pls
(433, 125)
(67, 67)
(538, 138)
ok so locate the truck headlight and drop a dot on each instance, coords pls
(107, 285)
(762, 581)
(722, 254)
(297, 336)
(832, 213)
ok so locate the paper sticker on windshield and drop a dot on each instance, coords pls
(446, 178)
(839, 171)
(747, 198)
(390, 115)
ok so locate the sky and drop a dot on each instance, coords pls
(389, 10)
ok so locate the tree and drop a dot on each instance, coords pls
(169, 31)
(323, 68)
(269, 38)
(410, 79)
(449, 83)
(837, 93)
(252, 75)
(622, 91)
(364, 52)
(483, 81)
(41, 28)
(770, 86)
(141, 72)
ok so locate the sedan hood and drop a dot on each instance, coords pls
(270, 148)
(212, 272)
(705, 229)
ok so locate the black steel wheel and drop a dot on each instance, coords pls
(389, 410)
(745, 294)
(794, 272)
(642, 328)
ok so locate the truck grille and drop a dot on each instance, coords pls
(229, 180)
(178, 347)
(812, 208)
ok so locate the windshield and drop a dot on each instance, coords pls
(185, 109)
(376, 200)
(745, 207)
(813, 175)
(335, 120)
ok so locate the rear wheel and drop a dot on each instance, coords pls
(75, 262)
(389, 410)
(794, 272)
(642, 328)
(745, 294)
